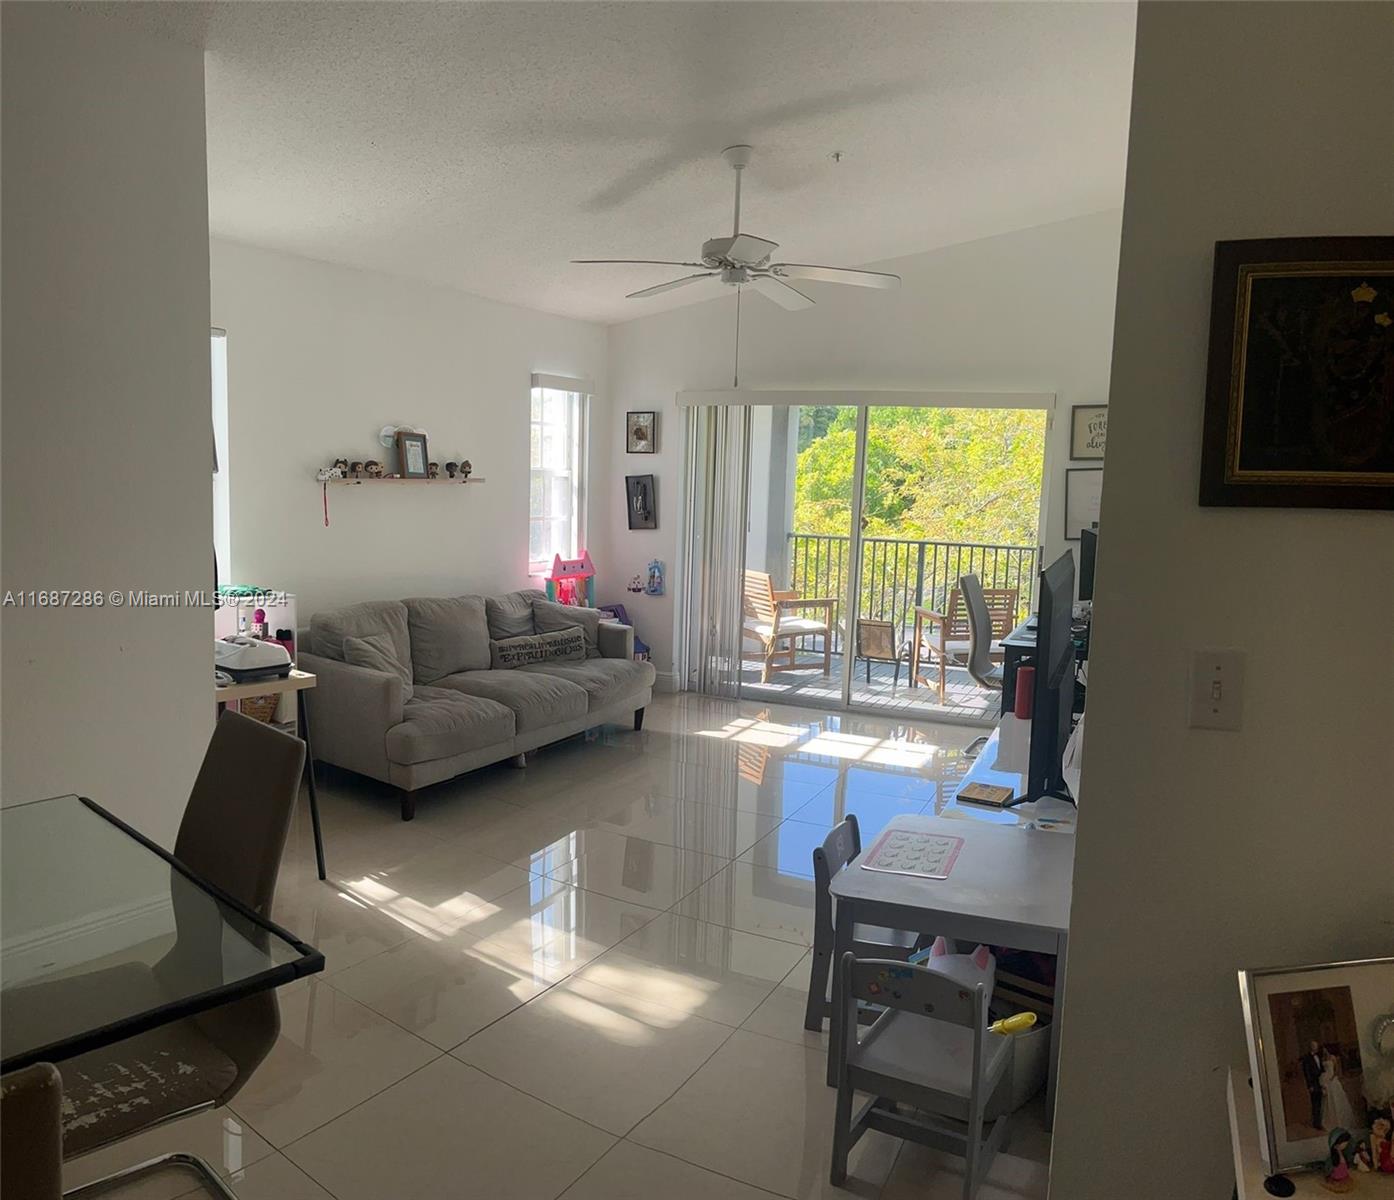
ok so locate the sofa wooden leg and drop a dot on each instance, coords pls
(519, 760)
(638, 719)
(408, 805)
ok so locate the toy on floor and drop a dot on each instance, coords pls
(967, 970)
(572, 581)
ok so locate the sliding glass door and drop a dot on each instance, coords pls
(826, 543)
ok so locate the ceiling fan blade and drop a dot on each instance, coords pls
(652, 262)
(874, 279)
(668, 287)
(780, 292)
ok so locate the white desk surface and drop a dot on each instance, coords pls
(1048, 811)
(296, 681)
(1006, 876)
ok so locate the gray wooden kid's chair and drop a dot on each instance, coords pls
(930, 1049)
(839, 848)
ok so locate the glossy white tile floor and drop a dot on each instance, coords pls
(583, 979)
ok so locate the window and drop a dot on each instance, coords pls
(558, 448)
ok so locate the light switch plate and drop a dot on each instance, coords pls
(1217, 689)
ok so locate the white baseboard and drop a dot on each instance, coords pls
(667, 681)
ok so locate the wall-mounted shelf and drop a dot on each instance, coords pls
(437, 482)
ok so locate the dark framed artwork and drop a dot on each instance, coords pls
(1088, 431)
(1083, 489)
(411, 455)
(640, 432)
(1299, 405)
(641, 501)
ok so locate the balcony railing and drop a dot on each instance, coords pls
(899, 574)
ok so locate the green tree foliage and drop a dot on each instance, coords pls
(940, 474)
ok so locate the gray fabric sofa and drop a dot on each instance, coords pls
(458, 712)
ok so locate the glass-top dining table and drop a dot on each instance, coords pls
(103, 935)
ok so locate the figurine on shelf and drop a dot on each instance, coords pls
(433, 470)
(1363, 1162)
(1381, 1148)
(451, 468)
(374, 468)
(1337, 1166)
(355, 470)
(636, 584)
(465, 470)
(340, 466)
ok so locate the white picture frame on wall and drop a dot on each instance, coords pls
(1083, 488)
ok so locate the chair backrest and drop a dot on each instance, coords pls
(31, 1134)
(235, 824)
(759, 596)
(979, 629)
(839, 848)
(876, 640)
(913, 988)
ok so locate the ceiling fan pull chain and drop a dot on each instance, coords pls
(736, 366)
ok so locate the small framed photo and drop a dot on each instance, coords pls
(1321, 1054)
(1083, 487)
(411, 455)
(640, 432)
(1088, 431)
(641, 501)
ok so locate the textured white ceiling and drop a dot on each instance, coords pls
(483, 145)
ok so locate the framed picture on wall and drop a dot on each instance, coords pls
(641, 501)
(1299, 402)
(640, 432)
(1088, 431)
(1083, 486)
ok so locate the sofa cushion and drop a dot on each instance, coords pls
(536, 700)
(448, 634)
(377, 653)
(329, 629)
(549, 616)
(606, 680)
(438, 722)
(511, 615)
(562, 645)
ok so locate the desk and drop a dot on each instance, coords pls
(1018, 644)
(1049, 812)
(88, 905)
(1010, 886)
(298, 682)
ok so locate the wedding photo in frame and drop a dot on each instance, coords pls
(1322, 1060)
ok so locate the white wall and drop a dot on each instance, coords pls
(107, 455)
(1027, 311)
(1203, 852)
(320, 358)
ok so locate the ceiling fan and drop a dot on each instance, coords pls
(744, 258)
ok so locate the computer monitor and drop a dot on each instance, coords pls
(1088, 552)
(1053, 701)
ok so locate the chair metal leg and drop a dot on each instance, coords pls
(191, 1162)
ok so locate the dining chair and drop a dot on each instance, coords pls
(839, 848)
(771, 618)
(232, 835)
(930, 1049)
(31, 1134)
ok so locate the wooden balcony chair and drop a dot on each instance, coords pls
(945, 639)
(770, 620)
